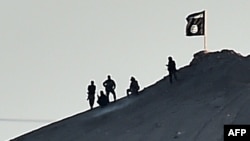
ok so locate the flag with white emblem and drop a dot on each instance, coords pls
(195, 24)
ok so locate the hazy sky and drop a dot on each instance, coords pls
(51, 49)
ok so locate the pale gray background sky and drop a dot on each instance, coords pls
(51, 49)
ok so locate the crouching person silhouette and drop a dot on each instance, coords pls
(134, 87)
(102, 99)
(91, 94)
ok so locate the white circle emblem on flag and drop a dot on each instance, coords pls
(194, 29)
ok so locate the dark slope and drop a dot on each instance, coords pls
(212, 91)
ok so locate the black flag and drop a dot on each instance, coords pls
(195, 24)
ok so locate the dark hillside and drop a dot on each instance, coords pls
(211, 91)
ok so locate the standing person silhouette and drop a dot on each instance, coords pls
(171, 69)
(110, 86)
(91, 94)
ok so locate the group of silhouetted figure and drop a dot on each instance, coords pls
(110, 86)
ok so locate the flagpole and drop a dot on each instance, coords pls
(205, 32)
(205, 42)
(197, 25)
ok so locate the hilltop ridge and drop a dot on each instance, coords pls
(211, 91)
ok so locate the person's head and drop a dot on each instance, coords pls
(92, 82)
(170, 58)
(102, 93)
(132, 79)
(109, 77)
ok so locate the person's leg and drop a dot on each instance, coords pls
(114, 95)
(175, 76)
(170, 77)
(107, 93)
(91, 103)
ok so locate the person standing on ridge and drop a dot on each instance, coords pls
(91, 94)
(171, 69)
(134, 87)
(110, 86)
